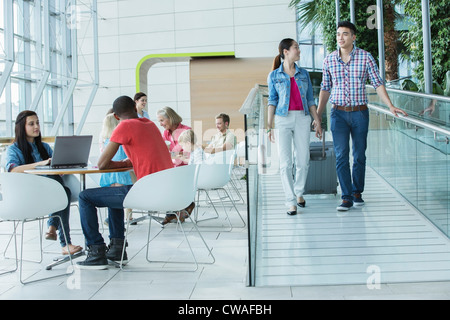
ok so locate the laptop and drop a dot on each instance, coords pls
(69, 152)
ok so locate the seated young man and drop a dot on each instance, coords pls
(147, 153)
(224, 139)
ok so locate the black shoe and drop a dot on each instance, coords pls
(302, 204)
(357, 200)
(114, 252)
(345, 205)
(96, 258)
(292, 213)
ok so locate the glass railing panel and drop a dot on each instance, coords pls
(405, 148)
(254, 114)
(382, 145)
(252, 209)
(433, 182)
(412, 153)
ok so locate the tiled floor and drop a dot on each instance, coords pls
(226, 279)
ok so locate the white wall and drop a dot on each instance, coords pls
(132, 29)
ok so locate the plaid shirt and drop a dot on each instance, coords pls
(346, 81)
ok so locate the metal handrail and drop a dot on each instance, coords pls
(417, 94)
(412, 120)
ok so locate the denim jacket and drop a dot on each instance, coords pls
(15, 158)
(279, 85)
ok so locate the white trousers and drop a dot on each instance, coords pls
(293, 132)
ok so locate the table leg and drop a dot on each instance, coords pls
(82, 182)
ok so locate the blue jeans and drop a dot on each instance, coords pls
(343, 126)
(110, 197)
(64, 214)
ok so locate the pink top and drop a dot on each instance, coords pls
(173, 139)
(295, 103)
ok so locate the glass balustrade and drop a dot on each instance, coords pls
(412, 153)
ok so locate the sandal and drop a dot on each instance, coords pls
(189, 209)
(168, 219)
(186, 213)
(73, 249)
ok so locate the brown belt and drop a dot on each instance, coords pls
(350, 109)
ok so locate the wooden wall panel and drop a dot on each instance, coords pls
(222, 85)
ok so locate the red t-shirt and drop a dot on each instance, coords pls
(295, 102)
(143, 145)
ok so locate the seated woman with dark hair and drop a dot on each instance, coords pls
(27, 152)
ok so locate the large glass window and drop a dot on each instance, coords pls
(35, 64)
(312, 50)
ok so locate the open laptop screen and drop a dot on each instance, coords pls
(70, 152)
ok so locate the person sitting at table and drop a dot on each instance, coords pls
(193, 153)
(140, 99)
(113, 179)
(224, 139)
(171, 122)
(27, 152)
(147, 153)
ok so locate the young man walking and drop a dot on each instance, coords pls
(345, 72)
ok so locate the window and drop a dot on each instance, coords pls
(312, 50)
(35, 64)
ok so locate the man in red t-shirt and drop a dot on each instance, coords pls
(147, 153)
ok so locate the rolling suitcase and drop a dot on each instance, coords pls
(322, 177)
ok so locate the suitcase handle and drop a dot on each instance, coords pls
(322, 155)
(323, 145)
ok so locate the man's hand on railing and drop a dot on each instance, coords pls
(382, 93)
(395, 111)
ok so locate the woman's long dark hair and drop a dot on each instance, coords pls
(284, 44)
(21, 138)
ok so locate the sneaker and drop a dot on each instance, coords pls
(345, 205)
(96, 258)
(357, 200)
(114, 251)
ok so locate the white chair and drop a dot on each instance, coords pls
(170, 190)
(227, 157)
(73, 183)
(240, 163)
(240, 152)
(214, 177)
(25, 198)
